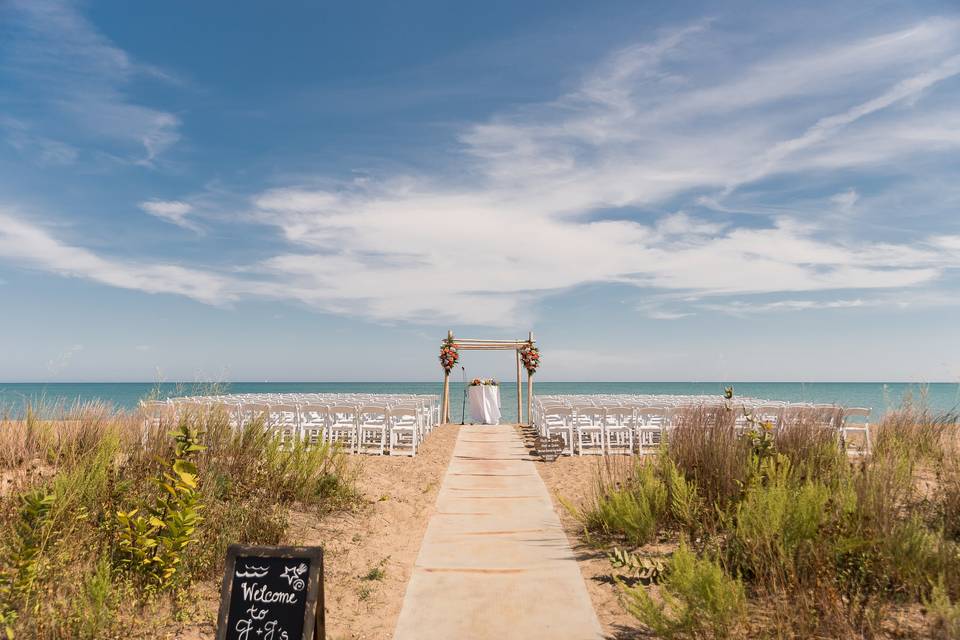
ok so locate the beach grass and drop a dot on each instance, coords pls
(114, 527)
(822, 544)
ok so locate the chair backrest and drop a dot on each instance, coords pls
(284, 415)
(371, 415)
(557, 412)
(342, 414)
(860, 414)
(620, 416)
(313, 415)
(771, 414)
(656, 417)
(403, 416)
(253, 412)
(588, 414)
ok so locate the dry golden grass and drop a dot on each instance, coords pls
(856, 545)
(60, 574)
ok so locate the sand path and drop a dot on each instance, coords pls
(495, 562)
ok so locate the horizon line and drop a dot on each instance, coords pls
(504, 381)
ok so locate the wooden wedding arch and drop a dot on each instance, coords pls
(470, 344)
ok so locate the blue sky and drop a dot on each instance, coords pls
(318, 191)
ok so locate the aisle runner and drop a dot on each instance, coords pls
(494, 562)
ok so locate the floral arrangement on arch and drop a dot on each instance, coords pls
(531, 358)
(449, 355)
(490, 382)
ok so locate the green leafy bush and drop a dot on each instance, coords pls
(697, 599)
(773, 521)
(629, 510)
(945, 614)
(685, 503)
(152, 545)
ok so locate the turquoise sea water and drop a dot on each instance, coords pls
(879, 396)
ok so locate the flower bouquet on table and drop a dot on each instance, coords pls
(531, 358)
(449, 355)
(477, 382)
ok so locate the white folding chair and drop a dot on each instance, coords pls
(649, 428)
(313, 423)
(558, 421)
(250, 413)
(618, 424)
(588, 421)
(342, 426)
(861, 424)
(285, 422)
(372, 424)
(403, 431)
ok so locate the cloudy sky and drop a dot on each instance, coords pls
(318, 191)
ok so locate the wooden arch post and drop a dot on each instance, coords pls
(469, 344)
(445, 401)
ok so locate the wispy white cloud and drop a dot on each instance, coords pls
(845, 200)
(75, 76)
(661, 314)
(172, 211)
(45, 151)
(28, 245)
(556, 195)
(744, 308)
(59, 363)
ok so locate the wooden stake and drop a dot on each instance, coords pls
(519, 392)
(529, 398)
(445, 404)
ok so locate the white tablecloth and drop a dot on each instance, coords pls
(485, 404)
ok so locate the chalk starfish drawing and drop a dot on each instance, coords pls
(293, 576)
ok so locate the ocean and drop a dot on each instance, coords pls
(879, 396)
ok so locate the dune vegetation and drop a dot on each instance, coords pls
(111, 526)
(781, 533)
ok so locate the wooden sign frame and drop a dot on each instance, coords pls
(314, 619)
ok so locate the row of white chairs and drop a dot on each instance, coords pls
(599, 428)
(379, 424)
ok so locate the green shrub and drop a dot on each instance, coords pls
(697, 600)
(706, 449)
(630, 510)
(95, 607)
(813, 450)
(948, 496)
(21, 561)
(775, 519)
(914, 432)
(152, 545)
(944, 614)
(685, 503)
(67, 561)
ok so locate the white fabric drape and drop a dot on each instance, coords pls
(485, 404)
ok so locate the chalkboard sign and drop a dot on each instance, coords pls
(272, 593)
(549, 449)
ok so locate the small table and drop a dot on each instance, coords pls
(485, 404)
